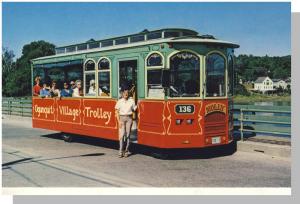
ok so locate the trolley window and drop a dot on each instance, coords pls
(121, 41)
(82, 47)
(104, 77)
(154, 60)
(107, 43)
(94, 45)
(215, 75)
(185, 75)
(152, 36)
(89, 78)
(60, 72)
(71, 49)
(137, 38)
(171, 34)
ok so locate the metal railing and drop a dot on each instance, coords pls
(270, 120)
(17, 106)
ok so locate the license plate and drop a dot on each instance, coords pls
(216, 140)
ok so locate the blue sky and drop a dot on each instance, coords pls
(260, 28)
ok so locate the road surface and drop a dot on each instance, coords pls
(40, 158)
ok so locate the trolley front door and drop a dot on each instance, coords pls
(128, 79)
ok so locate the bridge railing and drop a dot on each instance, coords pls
(17, 106)
(267, 120)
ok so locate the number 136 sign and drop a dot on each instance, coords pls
(184, 109)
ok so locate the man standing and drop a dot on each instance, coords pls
(124, 110)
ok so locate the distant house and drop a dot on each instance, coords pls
(277, 83)
(263, 84)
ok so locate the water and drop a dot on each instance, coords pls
(267, 103)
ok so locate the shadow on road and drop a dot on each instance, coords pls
(172, 154)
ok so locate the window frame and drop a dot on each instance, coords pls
(110, 78)
(161, 67)
(233, 81)
(226, 75)
(84, 77)
(200, 71)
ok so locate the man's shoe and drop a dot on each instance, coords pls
(126, 154)
(120, 155)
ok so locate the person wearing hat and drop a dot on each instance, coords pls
(124, 111)
(92, 89)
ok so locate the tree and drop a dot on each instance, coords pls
(8, 66)
(19, 83)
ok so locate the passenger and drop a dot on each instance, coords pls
(73, 85)
(44, 92)
(54, 91)
(92, 89)
(66, 91)
(77, 92)
(103, 91)
(124, 110)
(36, 87)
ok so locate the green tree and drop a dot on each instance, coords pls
(8, 66)
(19, 83)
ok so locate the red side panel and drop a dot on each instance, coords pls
(157, 126)
(91, 117)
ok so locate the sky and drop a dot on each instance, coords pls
(259, 28)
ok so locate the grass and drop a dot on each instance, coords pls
(260, 98)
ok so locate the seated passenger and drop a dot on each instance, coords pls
(104, 91)
(66, 91)
(92, 89)
(44, 92)
(54, 91)
(73, 85)
(36, 87)
(77, 92)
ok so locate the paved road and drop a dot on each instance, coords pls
(39, 158)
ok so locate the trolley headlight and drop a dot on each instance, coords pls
(178, 121)
(189, 121)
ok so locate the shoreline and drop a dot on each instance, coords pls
(260, 98)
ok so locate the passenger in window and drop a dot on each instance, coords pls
(92, 89)
(66, 91)
(124, 110)
(44, 92)
(73, 85)
(77, 92)
(36, 87)
(104, 91)
(54, 91)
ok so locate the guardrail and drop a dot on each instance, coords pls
(17, 106)
(273, 120)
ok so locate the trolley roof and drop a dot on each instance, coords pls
(167, 35)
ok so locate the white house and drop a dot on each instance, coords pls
(263, 84)
(279, 83)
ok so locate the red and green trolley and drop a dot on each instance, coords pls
(182, 80)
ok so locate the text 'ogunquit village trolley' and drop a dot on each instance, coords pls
(181, 81)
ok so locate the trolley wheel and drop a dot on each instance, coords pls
(67, 137)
